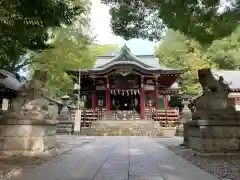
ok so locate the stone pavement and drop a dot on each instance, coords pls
(118, 158)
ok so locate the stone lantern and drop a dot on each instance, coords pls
(185, 115)
(65, 123)
(65, 100)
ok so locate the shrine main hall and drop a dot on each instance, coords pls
(127, 83)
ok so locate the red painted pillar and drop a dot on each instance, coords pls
(94, 103)
(142, 108)
(142, 100)
(165, 102)
(156, 96)
(107, 101)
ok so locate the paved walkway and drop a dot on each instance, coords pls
(118, 158)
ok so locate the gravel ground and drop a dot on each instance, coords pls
(227, 168)
(13, 165)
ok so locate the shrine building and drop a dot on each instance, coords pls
(127, 82)
(9, 85)
(231, 77)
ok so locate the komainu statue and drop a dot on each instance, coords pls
(214, 98)
(31, 103)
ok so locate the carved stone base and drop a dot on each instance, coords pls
(214, 136)
(27, 137)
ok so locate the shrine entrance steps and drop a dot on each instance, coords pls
(123, 128)
(114, 116)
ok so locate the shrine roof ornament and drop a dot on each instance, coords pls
(125, 56)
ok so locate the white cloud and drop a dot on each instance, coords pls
(100, 21)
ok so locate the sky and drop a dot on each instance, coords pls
(100, 22)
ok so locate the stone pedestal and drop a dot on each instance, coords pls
(77, 122)
(66, 124)
(27, 137)
(185, 116)
(215, 137)
(185, 134)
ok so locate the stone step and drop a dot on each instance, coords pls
(136, 116)
(65, 121)
(120, 132)
(65, 125)
(64, 131)
(123, 128)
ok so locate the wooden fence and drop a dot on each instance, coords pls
(166, 117)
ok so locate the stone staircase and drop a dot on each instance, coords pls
(65, 127)
(66, 124)
(123, 128)
(136, 116)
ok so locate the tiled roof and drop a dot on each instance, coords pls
(149, 60)
(125, 56)
(232, 78)
(10, 81)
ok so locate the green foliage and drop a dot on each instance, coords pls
(105, 49)
(178, 51)
(71, 51)
(148, 19)
(226, 51)
(24, 26)
(175, 102)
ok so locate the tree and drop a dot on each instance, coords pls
(178, 51)
(226, 51)
(203, 20)
(105, 49)
(25, 24)
(71, 51)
